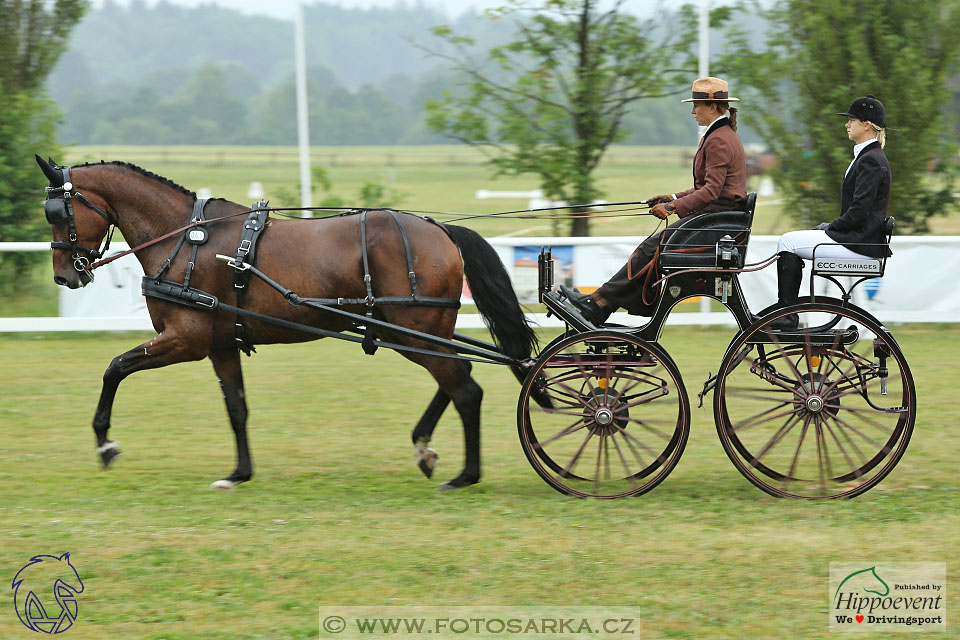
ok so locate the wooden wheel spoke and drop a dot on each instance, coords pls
(754, 420)
(560, 412)
(778, 436)
(646, 400)
(573, 428)
(843, 450)
(823, 457)
(640, 443)
(846, 425)
(651, 429)
(629, 476)
(787, 357)
(567, 470)
(796, 455)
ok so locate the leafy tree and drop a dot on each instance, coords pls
(818, 57)
(554, 99)
(34, 33)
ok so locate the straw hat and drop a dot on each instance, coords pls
(712, 89)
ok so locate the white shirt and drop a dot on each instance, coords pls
(857, 148)
(703, 130)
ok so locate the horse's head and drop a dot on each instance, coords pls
(78, 221)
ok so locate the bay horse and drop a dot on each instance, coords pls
(318, 258)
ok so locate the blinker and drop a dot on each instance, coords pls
(55, 210)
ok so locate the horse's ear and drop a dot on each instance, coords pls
(53, 174)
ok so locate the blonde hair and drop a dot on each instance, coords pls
(881, 134)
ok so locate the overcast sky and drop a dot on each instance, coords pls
(285, 8)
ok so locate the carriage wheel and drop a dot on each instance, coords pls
(825, 411)
(620, 416)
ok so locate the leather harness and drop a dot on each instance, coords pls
(243, 264)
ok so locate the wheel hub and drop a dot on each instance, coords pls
(603, 407)
(814, 400)
(814, 404)
(603, 416)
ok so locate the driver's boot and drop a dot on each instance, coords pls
(789, 275)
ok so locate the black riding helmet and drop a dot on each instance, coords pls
(868, 109)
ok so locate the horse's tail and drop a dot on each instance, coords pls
(496, 301)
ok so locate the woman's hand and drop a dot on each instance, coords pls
(663, 197)
(823, 226)
(661, 210)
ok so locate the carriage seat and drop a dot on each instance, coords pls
(692, 244)
(856, 267)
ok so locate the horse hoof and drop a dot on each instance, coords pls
(425, 457)
(108, 453)
(224, 485)
(456, 483)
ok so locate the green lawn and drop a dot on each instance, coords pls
(337, 514)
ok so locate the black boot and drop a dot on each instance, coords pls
(588, 307)
(789, 275)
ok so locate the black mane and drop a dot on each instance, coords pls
(143, 172)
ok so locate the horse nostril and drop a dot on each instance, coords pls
(60, 280)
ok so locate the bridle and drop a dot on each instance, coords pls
(59, 210)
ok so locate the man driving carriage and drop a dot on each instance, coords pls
(719, 184)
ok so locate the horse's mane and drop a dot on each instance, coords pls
(143, 172)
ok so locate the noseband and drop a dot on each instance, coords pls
(59, 210)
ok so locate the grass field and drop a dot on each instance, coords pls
(337, 514)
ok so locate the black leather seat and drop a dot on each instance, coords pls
(692, 245)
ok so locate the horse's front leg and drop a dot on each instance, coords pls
(165, 349)
(226, 364)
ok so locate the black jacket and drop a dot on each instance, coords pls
(864, 196)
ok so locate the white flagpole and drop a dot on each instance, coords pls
(303, 124)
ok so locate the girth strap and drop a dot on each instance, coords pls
(253, 226)
(369, 342)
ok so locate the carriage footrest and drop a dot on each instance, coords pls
(566, 311)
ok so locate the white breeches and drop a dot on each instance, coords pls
(803, 242)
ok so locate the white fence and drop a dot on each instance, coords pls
(917, 286)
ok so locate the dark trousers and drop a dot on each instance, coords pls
(631, 287)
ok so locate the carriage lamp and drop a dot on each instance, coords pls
(727, 254)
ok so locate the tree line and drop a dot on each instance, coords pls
(165, 74)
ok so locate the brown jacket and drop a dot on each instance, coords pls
(719, 171)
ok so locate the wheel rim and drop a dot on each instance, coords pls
(801, 414)
(619, 421)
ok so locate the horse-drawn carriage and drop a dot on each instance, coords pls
(822, 411)
(825, 410)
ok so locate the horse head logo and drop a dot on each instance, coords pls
(35, 580)
(865, 580)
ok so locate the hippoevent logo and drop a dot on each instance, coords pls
(890, 597)
(45, 594)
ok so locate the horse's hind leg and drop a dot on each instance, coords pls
(456, 383)
(426, 457)
(226, 364)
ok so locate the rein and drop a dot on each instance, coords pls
(511, 214)
(148, 243)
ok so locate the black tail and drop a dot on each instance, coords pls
(496, 301)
